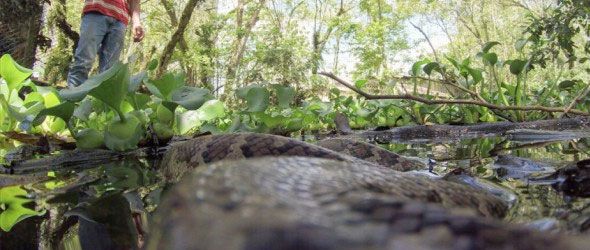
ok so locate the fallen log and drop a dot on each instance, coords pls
(455, 132)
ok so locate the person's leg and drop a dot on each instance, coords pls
(92, 31)
(112, 44)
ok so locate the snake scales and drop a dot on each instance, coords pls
(295, 195)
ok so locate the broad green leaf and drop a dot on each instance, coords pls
(84, 109)
(516, 66)
(113, 90)
(12, 72)
(63, 111)
(257, 97)
(285, 95)
(136, 80)
(269, 120)
(190, 97)
(191, 119)
(490, 58)
(123, 135)
(433, 66)
(187, 121)
(243, 91)
(34, 97)
(164, 115)
(89, 138)
(417, 66)
(489, 45)
(78, 93)
(13, 199)
(212, 109)
(476, 74)
(164, 86)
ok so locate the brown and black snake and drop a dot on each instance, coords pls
(257, 191)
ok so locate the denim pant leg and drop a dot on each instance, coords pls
(112, 44)
(92, 32)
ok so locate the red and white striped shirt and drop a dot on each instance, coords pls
(118, 9)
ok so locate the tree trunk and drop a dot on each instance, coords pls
(243, 33)
(178, 35)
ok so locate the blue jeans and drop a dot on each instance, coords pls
(99, 34)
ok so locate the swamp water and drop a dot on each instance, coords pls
(108, 205)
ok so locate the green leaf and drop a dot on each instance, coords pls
(211, 110)
(164, 115)
(110, 87)
(359, 84)
(417, 66)
(285, 95)
(13, 199)
(78, 93)
(190, 97)
(153, 64)
(489, 45)
(63, 111)
(567, 84)
(454, 62)
(136, 80)
(89, 138)
(113, 91)
(476, 74)
(12, 72)
(164, 86)
(490, 58)
(433, 66)
(123, 135)
(516, 66)
(256, 96)
(191, 119)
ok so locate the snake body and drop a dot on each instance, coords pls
(294, 195)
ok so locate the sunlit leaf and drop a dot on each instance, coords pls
(12, 72)
(13, 199)
(190, 97)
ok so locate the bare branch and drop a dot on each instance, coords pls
(458, 101)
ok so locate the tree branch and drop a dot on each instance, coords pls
(458, 101)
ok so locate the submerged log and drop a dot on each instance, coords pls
(454, 132)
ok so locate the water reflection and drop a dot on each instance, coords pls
(107, 206)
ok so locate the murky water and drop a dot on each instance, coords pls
(108, 205)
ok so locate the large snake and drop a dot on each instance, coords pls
(287, 198)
